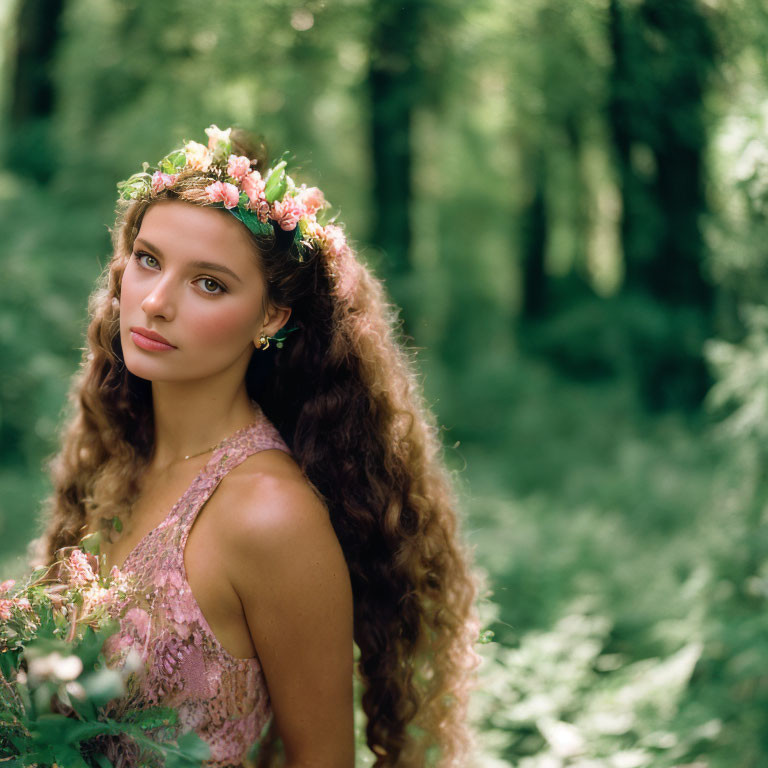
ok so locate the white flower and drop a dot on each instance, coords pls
(216, 135)
(75, 690)
(55, 665)
(198, 156)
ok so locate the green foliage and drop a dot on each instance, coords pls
(56, 685)
(561, 698)
(571, 487)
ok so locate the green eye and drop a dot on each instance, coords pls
(209, 281)
(218, 285)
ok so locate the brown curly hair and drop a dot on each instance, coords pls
(344, 394)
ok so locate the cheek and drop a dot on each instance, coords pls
(223, 324)
(128, 287)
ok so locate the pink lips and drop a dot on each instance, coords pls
(156, 343)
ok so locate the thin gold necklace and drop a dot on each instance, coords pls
(212, 448)
(207, 450)
(117, 524)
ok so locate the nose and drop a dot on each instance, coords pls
(159, 302)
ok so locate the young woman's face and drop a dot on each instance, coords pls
(211, 313)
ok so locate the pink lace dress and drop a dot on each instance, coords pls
(222, 697)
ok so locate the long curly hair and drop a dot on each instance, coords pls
(344, 394)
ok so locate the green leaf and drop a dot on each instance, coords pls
(276, 183)
(9, 663)
(252, 221)
(190, 751)
(21, 743)
(68, 757)
(486, 637)
(282, 333)
(153, 717)
(41, 756)
(51, 729)
(42, 696)
(194, 746)
(91, 543)
(103, 761)
(173, 161)
(135, 186)
(83, 707)
(117, 524)
(59, 730)
(89, 648)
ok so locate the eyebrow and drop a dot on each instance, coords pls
(195, 264)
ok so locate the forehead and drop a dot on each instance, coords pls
(182, 229)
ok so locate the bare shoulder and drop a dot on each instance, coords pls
(271, 508)
(288, 570)
(269, 492)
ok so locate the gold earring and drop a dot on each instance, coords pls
(263, 342)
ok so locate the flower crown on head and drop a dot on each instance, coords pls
(259, 202)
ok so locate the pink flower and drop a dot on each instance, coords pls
(253, 186)
(23, 603)
(223, 191)
(162, 180)
(287, 212)
(5, 609)
(80, 569)
(198, 156)
(312, 199)
(96, 596)
(238, 166)
(6, 585)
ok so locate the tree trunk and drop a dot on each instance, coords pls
(533, 247)
(662, 55)
(32, 97)
(393, 80)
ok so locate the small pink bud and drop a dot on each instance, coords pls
(162, 180)
(223, 191)
(288, 212)
(312, 199)
(238, 166)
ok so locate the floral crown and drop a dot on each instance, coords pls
(259, 202)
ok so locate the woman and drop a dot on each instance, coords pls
(249, 437)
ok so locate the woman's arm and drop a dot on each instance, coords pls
(289, 571)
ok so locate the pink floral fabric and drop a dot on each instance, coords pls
(222, 697)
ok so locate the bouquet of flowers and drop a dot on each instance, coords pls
(55, 682)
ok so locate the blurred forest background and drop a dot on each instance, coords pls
(569, 201)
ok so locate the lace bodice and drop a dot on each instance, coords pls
(222, 697)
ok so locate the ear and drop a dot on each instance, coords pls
(274, 320)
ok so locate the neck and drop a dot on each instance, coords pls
(189, 420)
